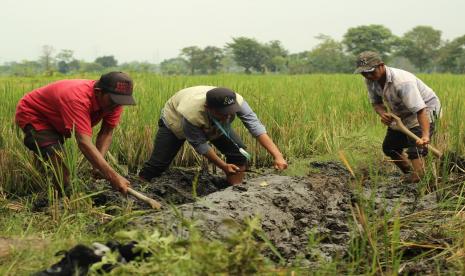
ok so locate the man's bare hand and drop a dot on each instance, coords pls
(423, 141)
(280, 164)
(386, 118)
(121, 184)
(231, 169)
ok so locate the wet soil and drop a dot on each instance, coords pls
(172, 188)
(289, 207)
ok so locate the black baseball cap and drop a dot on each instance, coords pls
(119, 85)
(222, 100)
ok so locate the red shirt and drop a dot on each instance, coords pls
(63, 105)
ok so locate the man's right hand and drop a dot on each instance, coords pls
(386, 118)
(121, 184)
(280, 164)
(231, 169)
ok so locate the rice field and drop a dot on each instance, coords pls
(307, 116)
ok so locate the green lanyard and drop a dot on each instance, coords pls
(227, 134)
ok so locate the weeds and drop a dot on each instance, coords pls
(240, 254)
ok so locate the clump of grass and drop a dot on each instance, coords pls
(240, 254)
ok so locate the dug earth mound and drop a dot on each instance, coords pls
(290, 208)
(293, 210)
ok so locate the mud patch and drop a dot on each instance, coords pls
(173, 187)
(289, 207)
(421, 216)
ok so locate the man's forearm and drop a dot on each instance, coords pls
(424, 122)
(104, 139)
(269, 145)
(95, 157)
(215, 159)
(103, 143)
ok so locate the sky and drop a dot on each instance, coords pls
(153, 30)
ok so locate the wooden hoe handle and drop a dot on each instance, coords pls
(152, 202)
(399, 126)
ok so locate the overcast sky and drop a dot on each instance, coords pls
(153, 30)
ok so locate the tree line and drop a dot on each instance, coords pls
(421, 49)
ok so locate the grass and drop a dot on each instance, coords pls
(313, 117)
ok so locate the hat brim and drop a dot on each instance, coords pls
(229, 110)
(122, 99)
(365, 69)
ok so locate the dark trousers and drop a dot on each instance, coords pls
(44, 142)
(167, 145)
(395, 142)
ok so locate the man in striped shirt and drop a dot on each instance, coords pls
(410, 99)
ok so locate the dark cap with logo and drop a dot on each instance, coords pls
(119, 86)
(222, 100)
(367, 62)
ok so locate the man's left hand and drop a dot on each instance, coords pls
(423, 141)
(280, 164)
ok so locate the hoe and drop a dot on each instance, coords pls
(455, 161)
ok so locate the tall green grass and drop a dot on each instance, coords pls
(305, 116)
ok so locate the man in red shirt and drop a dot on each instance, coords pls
(49, 114)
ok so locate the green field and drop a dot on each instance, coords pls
(308, 117)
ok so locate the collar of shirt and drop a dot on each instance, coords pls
(389, 74)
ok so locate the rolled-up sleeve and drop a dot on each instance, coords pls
(411, 97)
(195, 136)
(250, 120)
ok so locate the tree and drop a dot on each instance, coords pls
(299, 63)
(211, 59)
(193, 56)
(329, 57)
(107, 61)
(203, 61)
(174, 66)
(451, 57)
(65, 61)
(91, 67)
(136, 66)
(228, 64)
(65, 55)
(62, 67)
(275, 56)
(248, 53)
(46, 59)
(369, 38)
(25, 68)
(74, 65)
(420, 46)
